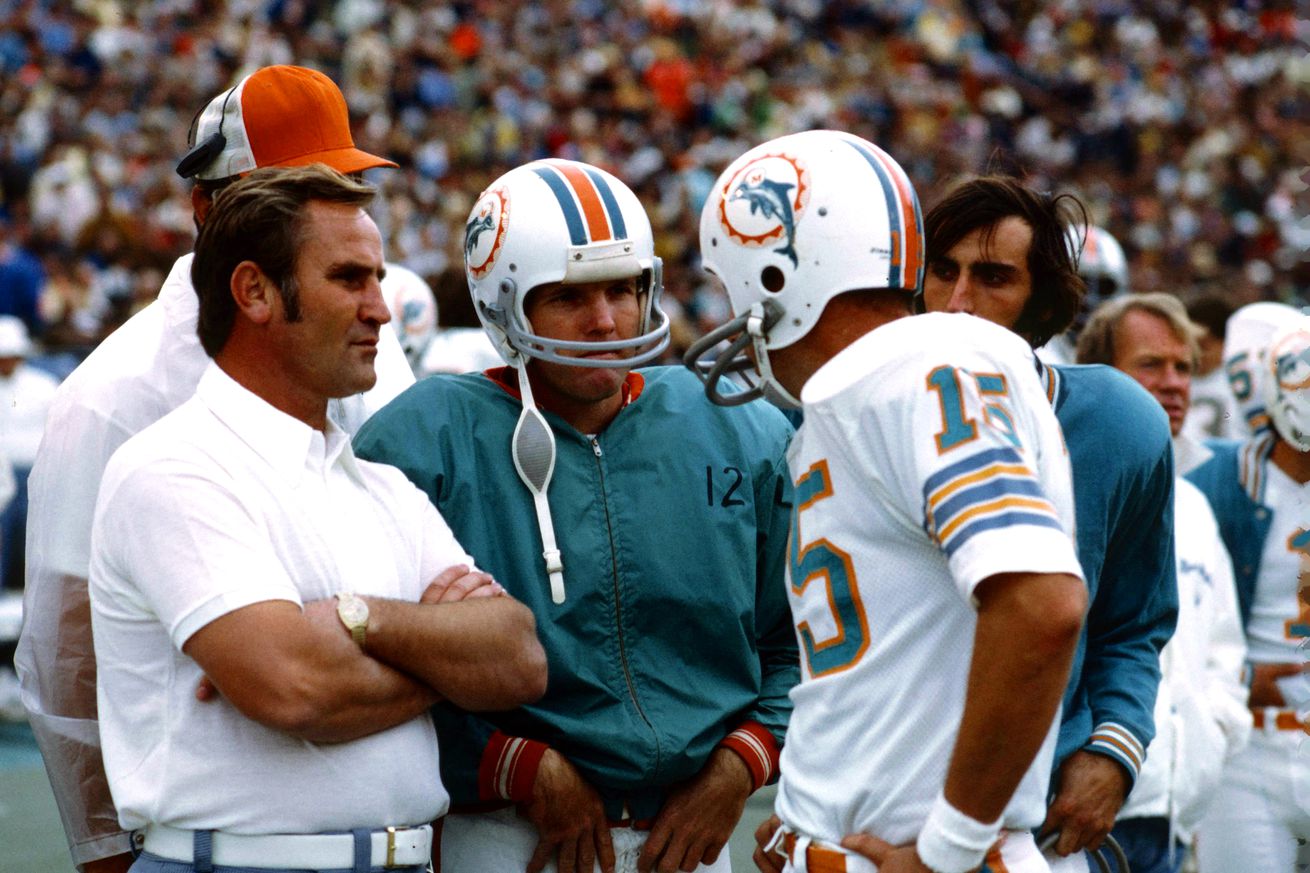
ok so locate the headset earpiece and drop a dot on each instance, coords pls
(205, 153)
(202, 155)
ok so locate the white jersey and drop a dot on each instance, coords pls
(1279, 622)
(929, 460)
(1214, 411)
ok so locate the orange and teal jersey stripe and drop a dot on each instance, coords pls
(1251, 465)
(903, 213)
(985, 491)
(586, 199)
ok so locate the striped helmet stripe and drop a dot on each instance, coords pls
(590, 208)
(611, 204)
(904, 215)
(572, 217)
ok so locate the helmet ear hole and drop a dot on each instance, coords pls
(772, 279)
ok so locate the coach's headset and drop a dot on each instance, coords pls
(205, 153)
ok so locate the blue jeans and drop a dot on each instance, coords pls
(1145, 842)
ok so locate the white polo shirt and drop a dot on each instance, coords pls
(140, 373)
(223, 503)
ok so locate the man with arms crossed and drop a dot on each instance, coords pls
(998, 250)
(657, 580)
(224, 531)
(1201, 717)
(933, 582)
(276, 116)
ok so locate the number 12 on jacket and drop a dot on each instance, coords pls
(822, 559)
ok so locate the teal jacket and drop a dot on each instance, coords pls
(1232, 479)
(675, 635)
(1123, 482)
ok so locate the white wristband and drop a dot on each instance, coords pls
(951, 842)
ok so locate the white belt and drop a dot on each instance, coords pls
(392, 847)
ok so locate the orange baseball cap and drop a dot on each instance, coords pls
(279, 116)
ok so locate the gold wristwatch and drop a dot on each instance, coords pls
(353, 612)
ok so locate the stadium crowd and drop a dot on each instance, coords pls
(1182, 126)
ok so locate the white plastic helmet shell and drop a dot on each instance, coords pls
(413, 311)
(559, 221)
(1246, 341)
(1287, 383)
(1100, 260)
(806, 217)
(790, 225)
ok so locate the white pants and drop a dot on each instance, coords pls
(502, 842)
(1018, 854)
(1261, 809)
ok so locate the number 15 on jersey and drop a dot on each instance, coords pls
(822, 560)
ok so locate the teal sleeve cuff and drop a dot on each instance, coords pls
(1118, 743)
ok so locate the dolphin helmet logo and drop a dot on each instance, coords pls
(475, 229)
(484, 234)
(763, 201)
(1292, 362)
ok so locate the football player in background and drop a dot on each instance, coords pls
(1104, 268)
(657, 578)
(1260, 491)
(1246, 341)
(1214, 411)
(413, 311)
(932, 579)
(998, 250)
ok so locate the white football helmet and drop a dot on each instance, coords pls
(1246, 342)
(790, 225)
(1100, 257)
(1287, 383)
(560, 221)
(557, 221)
(413, 311)
(1101, 263)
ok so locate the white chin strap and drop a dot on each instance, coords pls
(773, 389)
(533, 449)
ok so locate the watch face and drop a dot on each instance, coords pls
(353, 611)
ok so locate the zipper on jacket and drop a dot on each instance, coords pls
(618, 615)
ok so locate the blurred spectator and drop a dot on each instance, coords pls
(25, 397)
(1214, 411)
(1182, 126)
(21, 276)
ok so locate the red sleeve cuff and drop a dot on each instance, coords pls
(509, 768)
(755, 745)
